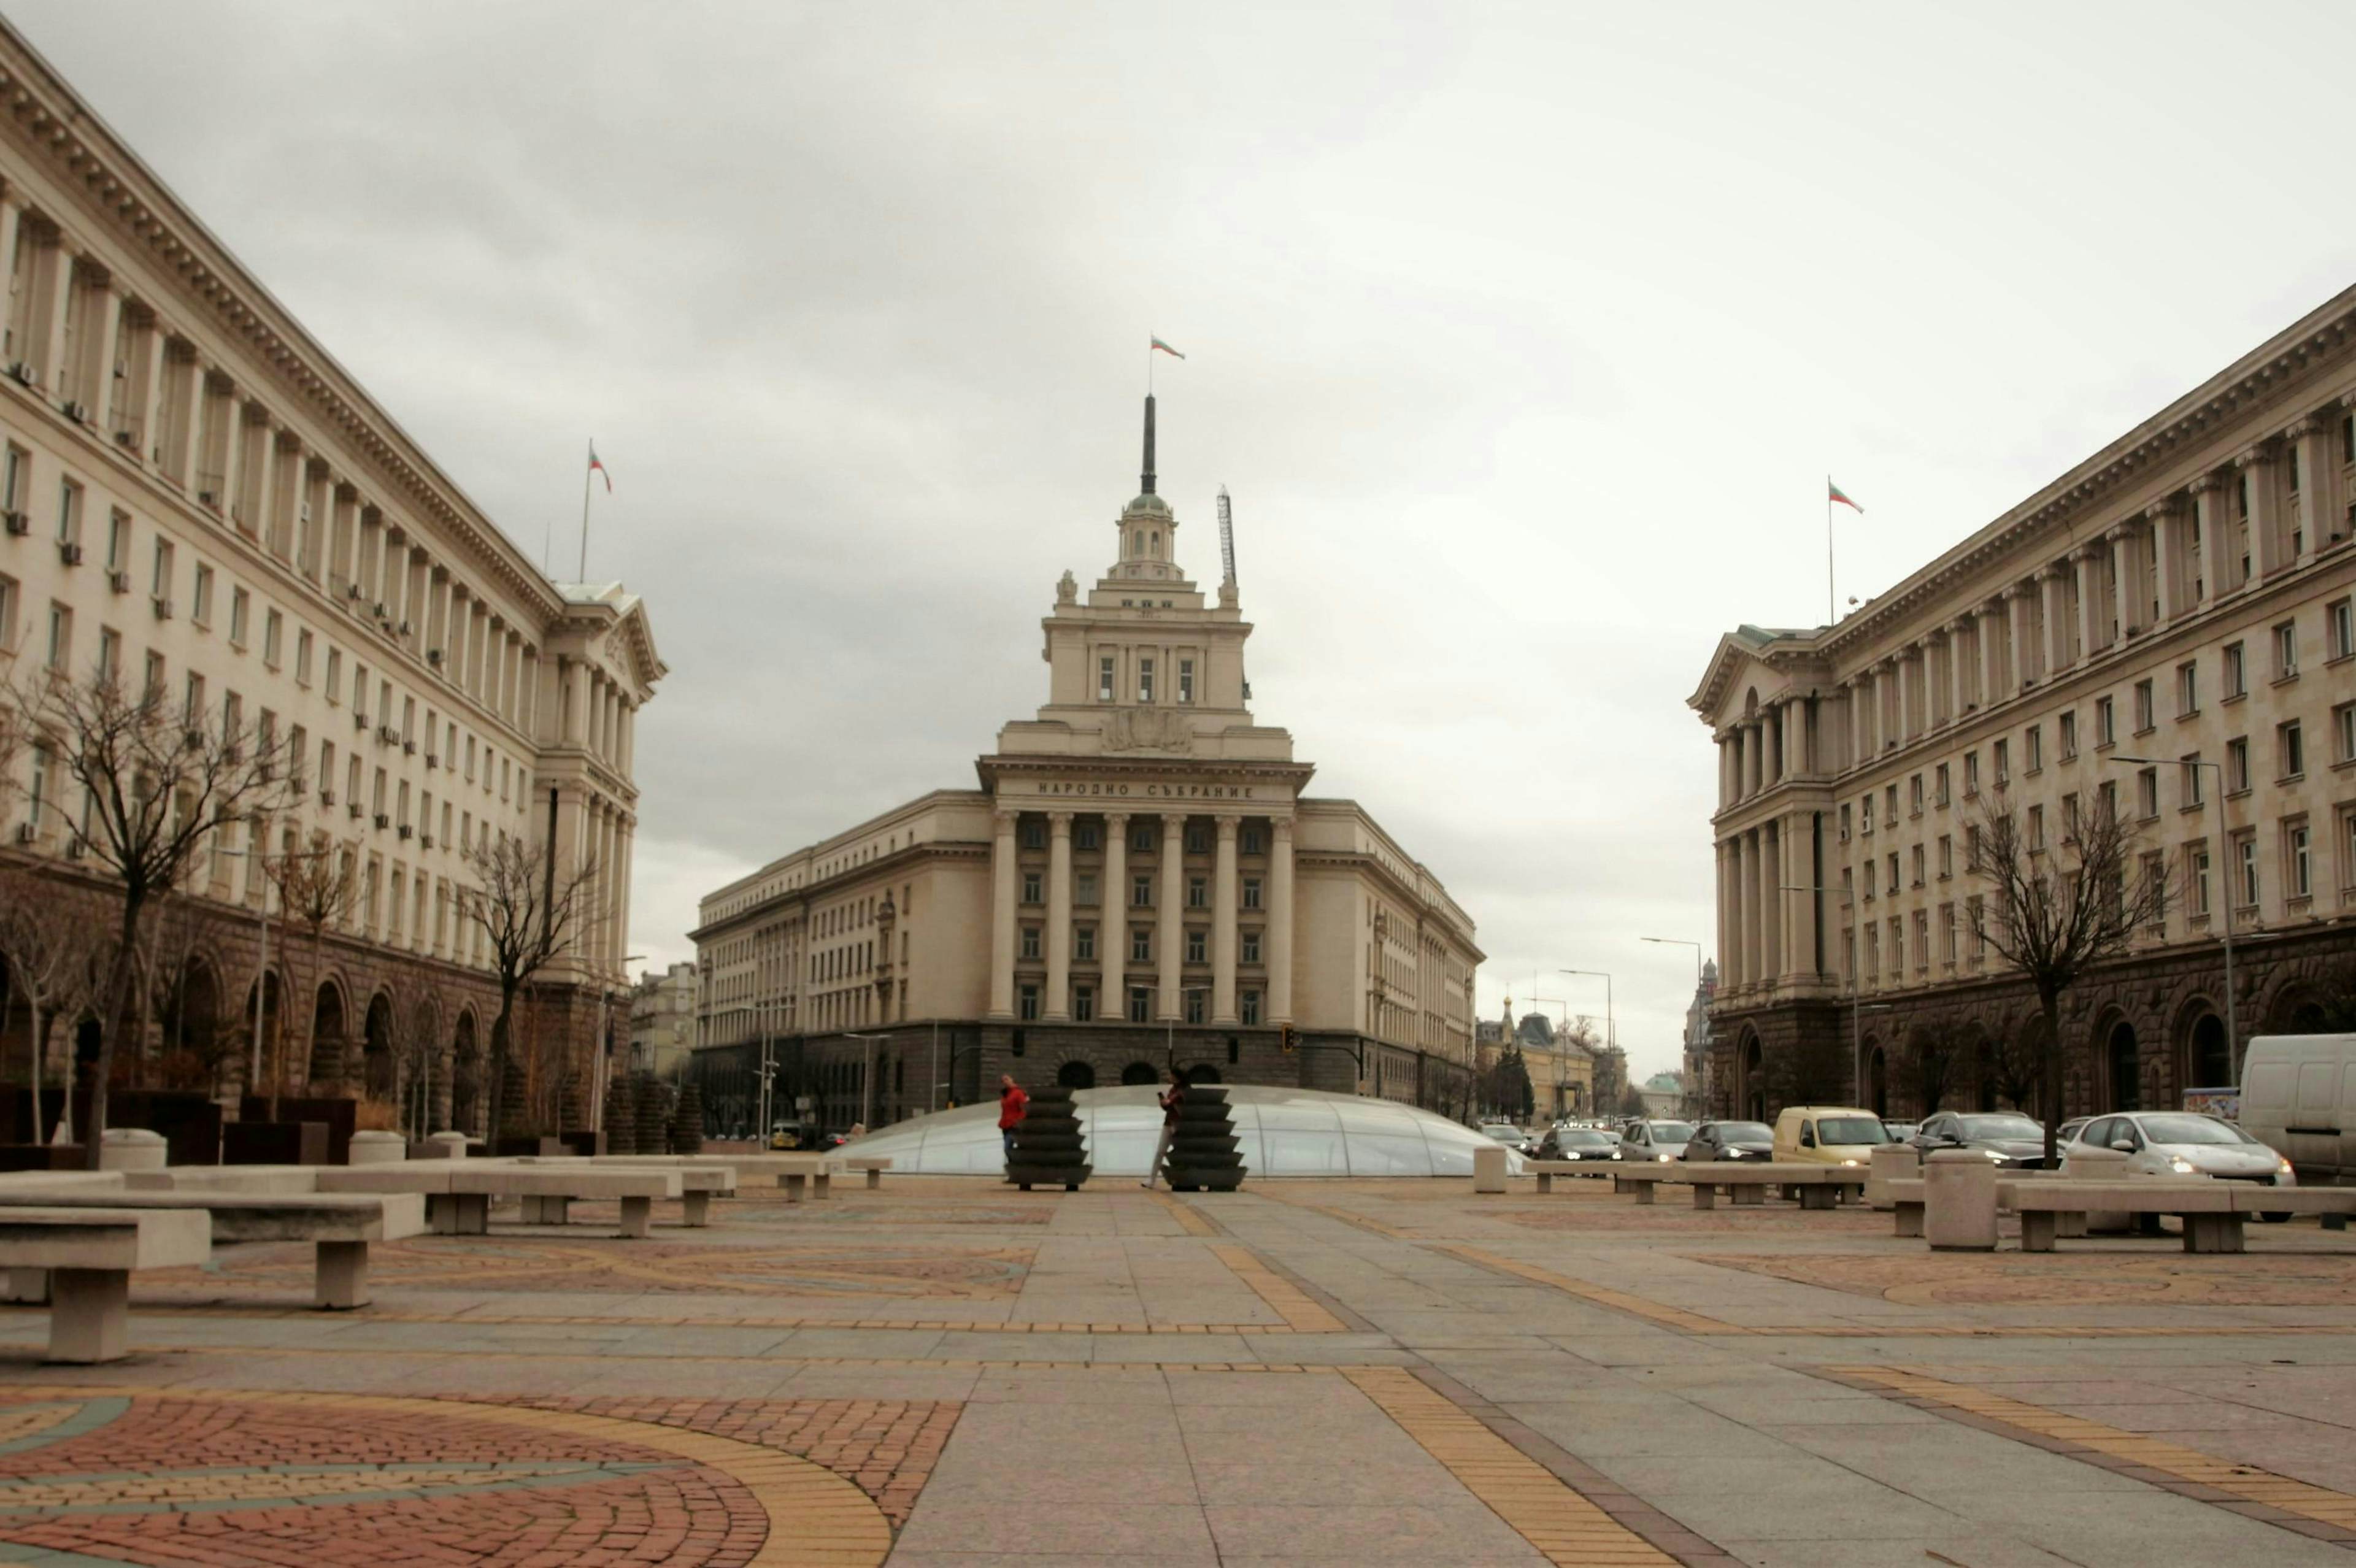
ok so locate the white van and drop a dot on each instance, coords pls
(2299, 1097)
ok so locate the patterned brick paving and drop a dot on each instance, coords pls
(327, 1480)
(2108, 1278)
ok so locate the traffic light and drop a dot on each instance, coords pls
(1288, 1039)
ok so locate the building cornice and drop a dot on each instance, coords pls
(46, 119)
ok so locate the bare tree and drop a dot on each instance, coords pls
(49, 940)
(1936, 1054)
(529, 914)
(315, 884)
(176, 935)
(156, 783)
(414, 1024)
(2052, 914)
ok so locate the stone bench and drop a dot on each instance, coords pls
(798, 1172)
(459, 1193)
(2211, 1211)
(701, 1181)
(340, 1225)
(89, 1255)
(1547, 1169)
(1818, 1186)
(874, 1165)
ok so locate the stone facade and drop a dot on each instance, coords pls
(2168, 625)
(1141, 858)
(200, 501)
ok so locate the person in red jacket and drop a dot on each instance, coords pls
(1010, 1101)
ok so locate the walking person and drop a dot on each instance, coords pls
(1172, 1098)
(1011, 1102)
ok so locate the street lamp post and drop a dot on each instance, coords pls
(2233, 1030)
(1692, 1090)
(867, 1076)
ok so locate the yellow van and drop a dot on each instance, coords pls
(1829, 1135)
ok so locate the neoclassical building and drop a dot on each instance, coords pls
(1139, 876)
(2167, 625)
(199, 500)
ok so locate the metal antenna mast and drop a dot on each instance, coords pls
(1227, 535)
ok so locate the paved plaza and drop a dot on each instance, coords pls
(946, 1371)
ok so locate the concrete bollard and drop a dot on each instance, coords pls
(1489, 1168)
(2084, 1163)
(1959, 1201)
(132, 1148)
(452, 1145)
(377, 1149)
(1890, 1162)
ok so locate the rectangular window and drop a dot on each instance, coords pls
(2297, 870)
(1922, 940)
(2245, 857)
(1248, 1008)
(1140, 890)
(1972, 849)
(302, 658)
(1941, 792)
(1198, 892)
(60, 650)
(1865, 814)
(1084, 1004)
(2147, 793)
(1917, 864)
(159, 573)
(1251, 839)
(2188, 689)
(1144, 678)
(1140, 840)
(1198, 840)
(118, 540)
(20, 464)
(2237, 672)
(1915, 796)
(1186, 680)
(2036, 829)
(1971, 774)
(201, 607)
(1141, 944)
(1084, 887)
(1844, 822)
(1198, 947)
(1029, 943)
(1195, 1011)
(2003, 764)
(1140, 1004)
(2290, 744)
(2195, 792)
(335, 673)
(2343, 733)
(1251, 893)
(2106, 723)
(2069, 816)
(1104, 677)
(240, 610)
(2286, 650)
(1027, 1004)
(2237, 765)
(68, 512)
(192, 699)
(110, 654)
(1946, 856)
(274, 636)
(1035, 834)
(1083, 834)
(2196, 877)
(1893, 873)
(2340, 629)
(1250, 947)
(1033, 883)
(152, 689)
(1084, 943)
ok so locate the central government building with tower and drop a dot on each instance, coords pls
(1137, 879)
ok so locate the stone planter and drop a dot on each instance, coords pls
(377, 1149)
(1049, 1150)
(1959, 1201)
(1889, 1163)
(1203, 1156)
(131, 1148)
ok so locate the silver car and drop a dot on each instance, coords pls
(2185, 1143)
(1655, 1140)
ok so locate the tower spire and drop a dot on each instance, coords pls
(1145, 484)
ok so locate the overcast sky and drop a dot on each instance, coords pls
(1524, 336)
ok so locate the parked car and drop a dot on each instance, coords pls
(1901, 1132)
(2008, 1138)
(1577, 1143)
(1731, 1141)
(1828, 1134)
(2067, 1133)
(2187, 1143)
(1654, 1140)
(1506, 1133)
(2299, 1097)
(792, 1135)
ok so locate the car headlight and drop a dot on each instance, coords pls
(2282, 1166)
(2179, 1164)
(1662, 1157)
(1993, 1155)
(1848, 1162)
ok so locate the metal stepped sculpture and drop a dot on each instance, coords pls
(1203, 1156)
(1048, 1148)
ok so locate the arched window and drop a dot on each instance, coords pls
(1076, 1075)
(1139, 1072)
(1157, 543)
(1137, 542)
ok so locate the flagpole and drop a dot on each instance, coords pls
(586, 472)
(1831, 614)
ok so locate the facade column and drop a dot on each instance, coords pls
(1058, 1007)
(1724, 881)
(1732, 948)
(2130, 610)
(1753, 906)
(2020, 606)
(1991, 652)
(1002, 914)
(1910, 712)
(2319, 474)
(1725, 772)
(2057, 620)
(1171, 919)
(2258, 467)
(2085, 562)
(1222, 927)
(1280, 920)
(2168, 558)
(1771, 753)
(1777, 905)
(1754, 747)
(2212, 547)
(1112, 920)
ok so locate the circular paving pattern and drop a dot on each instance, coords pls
(1997, 1279)
(327, 1480)
(522, 1263)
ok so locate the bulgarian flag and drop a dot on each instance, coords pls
(1833, 493)
(599, 469)
(1165, 348)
